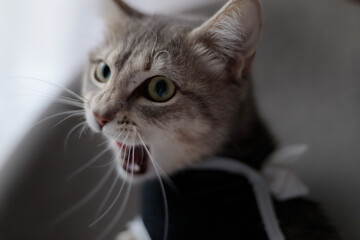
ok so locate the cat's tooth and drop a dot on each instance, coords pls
(134, 168)
(137, 168)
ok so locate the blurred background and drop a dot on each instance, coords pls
(307, 77)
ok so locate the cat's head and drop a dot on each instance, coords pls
(165, 90)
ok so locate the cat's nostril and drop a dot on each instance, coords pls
(101, 120)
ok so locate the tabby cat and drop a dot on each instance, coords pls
(170, 92)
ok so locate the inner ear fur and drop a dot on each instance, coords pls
(232, 35)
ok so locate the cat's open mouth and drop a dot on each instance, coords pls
(134, 159)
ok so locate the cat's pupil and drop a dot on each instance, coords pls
(161, 88)
(106, 72)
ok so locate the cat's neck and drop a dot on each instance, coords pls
(250, 141)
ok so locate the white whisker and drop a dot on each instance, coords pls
(70, 133)
(163, 174)
(54, 85)
(83, 201)
(124, 143)
(108, 141)
(111, 189)
(83, 130)
(127, 195)
(166, 207)
(66, 118)
(74, 112)
(42, 94)
(70, 103)
(81, 169)
(68, 98)
(117, 196)
(105, 165)
(103, 143)
(121, 133)
(58, 99)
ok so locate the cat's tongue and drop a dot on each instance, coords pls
(135, 159)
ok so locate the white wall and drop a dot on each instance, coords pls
(39, 39)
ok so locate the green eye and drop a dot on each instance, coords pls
(160, 89)
(103, 72)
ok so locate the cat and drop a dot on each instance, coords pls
(169, 92)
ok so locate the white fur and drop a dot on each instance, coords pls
(91, 121)
(213, 60)
(159, 60)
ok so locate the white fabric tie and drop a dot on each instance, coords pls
(281, 180)
(276, 177)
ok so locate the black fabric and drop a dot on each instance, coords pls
(203, 205)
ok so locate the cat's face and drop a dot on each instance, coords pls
(165, 91)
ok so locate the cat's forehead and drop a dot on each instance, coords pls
(143, 46)
(148, 33)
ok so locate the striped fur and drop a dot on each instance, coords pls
(213, 106)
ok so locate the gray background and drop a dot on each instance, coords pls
(307, 78)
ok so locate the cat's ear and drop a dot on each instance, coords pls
(229, 39)
(119, 11)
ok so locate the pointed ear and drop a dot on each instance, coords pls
(231, 36)
(118, 11)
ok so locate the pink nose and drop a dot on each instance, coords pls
(102, 120)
